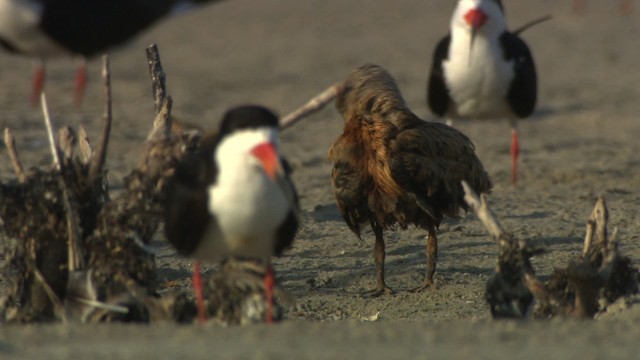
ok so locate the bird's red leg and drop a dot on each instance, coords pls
(38, 83)
(626, 7)
(515, 151)
(432, 258)
(81, 83)
(269, 284)
(197, 287)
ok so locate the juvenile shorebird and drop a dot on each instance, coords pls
(482, 71)
(43, 29)
(234, 198)
(391, 169)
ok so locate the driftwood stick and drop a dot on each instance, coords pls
(55, 152)
(58, 308)
(66, 141)
(86, 150)
(74, 252)
(532, 23)
(588, 237)
(315, 104)
(97, 163)
(158, 77)
(600, 215)
(162, 123)
(10, 143)
(486, 216)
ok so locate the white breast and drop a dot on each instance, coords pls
(478, 80)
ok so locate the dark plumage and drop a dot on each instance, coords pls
(392, 169)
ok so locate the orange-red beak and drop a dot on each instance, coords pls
(475, 18)
(268, 156)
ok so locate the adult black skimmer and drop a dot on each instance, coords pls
(482, 71)
(44, 29)
(392, 169)
(234, 197)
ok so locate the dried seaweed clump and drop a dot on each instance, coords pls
(597, 278)
(70, 252)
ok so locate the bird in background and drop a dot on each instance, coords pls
(391, 169)
(480, 70)
(580, 6)
(45, 29)
(234, 198)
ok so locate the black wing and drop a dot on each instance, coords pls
(523, 91)
(186, 204)
(437, 93)
(288, 229)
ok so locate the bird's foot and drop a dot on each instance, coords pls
(378, 291)
(426, 284)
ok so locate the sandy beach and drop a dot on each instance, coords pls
(581, 142)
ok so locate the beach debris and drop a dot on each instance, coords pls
(598, 277)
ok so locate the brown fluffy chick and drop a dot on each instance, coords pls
(392, 169)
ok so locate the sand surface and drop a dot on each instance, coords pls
(582, 141)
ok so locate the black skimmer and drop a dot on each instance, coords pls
(43, 29)
(482, 71)
(392, 169)
(234, 198)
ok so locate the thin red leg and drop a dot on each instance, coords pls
(515, 151)
(81, 83)
(38, 84)
(197, 286)
(269, 283)
(626, 7)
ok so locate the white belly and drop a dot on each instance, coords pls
(248, 212)
(478, 82)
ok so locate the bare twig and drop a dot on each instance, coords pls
(66, 141)
(97, 163)
(58, 308)
(162, 123)
(315, 104)
(10, 143)
(55, 152)
(158, 77)
(486, 216)
(532, 23)
(75, 256)
(86, 150)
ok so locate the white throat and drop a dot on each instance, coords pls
(247, 205)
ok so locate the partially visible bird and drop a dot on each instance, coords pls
(391, 169)
(480, 70)
(234, 198)
(44, 29)
(580, 6)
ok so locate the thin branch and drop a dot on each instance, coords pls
(532, 23)
(86, 150)
(158, 77)
(486, 216)
(315, 104)
(74, 252)
(66, 141)
(162, 123)
(10, 143)
(58, 308)
(100, 157)
(55, 152)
